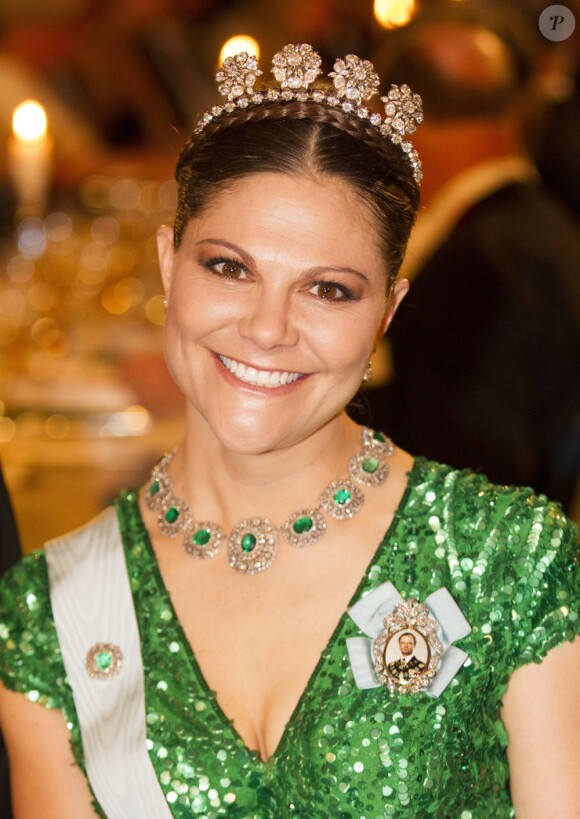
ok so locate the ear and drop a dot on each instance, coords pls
(166, 252)
(400, 290)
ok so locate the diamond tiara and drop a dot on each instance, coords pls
(296, 68)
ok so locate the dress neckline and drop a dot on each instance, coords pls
(413, 476)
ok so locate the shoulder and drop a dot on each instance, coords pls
(29, 650)
(510, 556)
(539, 209)
(515, 225)
(488, 533)
(92, 545)
(473, 505)
(526, 220)
(24, 587)
(30, 654)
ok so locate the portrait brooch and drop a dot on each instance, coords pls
(408, 645)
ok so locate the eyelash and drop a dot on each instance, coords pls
(347, 293)
(212, 264)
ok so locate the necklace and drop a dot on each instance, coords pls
(253, 543)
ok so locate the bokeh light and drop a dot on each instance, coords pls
(241, 42)
(394, 13)
(29, 121)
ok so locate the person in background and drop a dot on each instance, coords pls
(485, 356)
(9, 540)
(9, 555)
(553, 103)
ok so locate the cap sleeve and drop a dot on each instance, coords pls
(544, 609)
(30, 658)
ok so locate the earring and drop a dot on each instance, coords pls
(368, 372)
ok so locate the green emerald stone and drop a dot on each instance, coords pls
(378, 436)
(103, 660)
(342, 496)
(154, 488)
(172, 514)
(370, 464)
(303, 524)
(248, 543)
(201, 537)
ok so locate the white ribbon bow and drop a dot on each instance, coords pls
(369, 613)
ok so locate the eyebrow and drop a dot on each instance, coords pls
(249, 260)
(246, 257)
(333, 268)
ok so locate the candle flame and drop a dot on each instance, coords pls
(29, 121)
(394, 13)
(241, 42)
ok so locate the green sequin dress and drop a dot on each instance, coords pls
(508, 558)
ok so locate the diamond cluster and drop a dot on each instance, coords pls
(296, 68)
(103, 661)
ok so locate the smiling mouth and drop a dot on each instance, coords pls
(259, 378)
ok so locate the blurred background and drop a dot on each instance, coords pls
(114, 87)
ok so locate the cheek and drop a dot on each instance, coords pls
(346, 342)
(195, 309)
(189, 318)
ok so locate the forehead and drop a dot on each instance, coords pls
(300, 215)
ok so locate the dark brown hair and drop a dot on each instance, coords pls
(296, 138)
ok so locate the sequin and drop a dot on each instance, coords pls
(345, 752)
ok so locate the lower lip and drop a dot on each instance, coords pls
(255, 388)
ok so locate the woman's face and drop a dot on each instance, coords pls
(277, 296)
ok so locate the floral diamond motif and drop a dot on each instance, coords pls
(354, 79)
(296, 66)
(238, 75)
(403, 110)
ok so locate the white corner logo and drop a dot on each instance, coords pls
(557, 23)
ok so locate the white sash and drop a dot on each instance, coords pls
(92, 603)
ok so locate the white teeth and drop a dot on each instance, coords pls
(259, 378)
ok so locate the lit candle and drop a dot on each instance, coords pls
(240, 42)
(394, 13)
(30, 155)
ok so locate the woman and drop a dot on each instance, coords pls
(280, 276)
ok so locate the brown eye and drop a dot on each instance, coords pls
(331, 291)
(328, 291)
(232, 270)
(227, 268)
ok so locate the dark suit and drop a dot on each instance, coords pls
(9, 543)
(406, 670)
(486, 348)
(9, 554)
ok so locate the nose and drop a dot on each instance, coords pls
(268, 320)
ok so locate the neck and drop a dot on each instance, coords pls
(224, 485)
(449, 148)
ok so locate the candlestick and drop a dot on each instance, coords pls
(30, 156)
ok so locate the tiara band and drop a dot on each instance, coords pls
(296, 68)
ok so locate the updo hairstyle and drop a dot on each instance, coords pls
(297, 138)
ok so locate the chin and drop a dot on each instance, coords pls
(247, 424)
(243, 434)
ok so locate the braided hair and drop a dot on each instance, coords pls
(301, 138)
